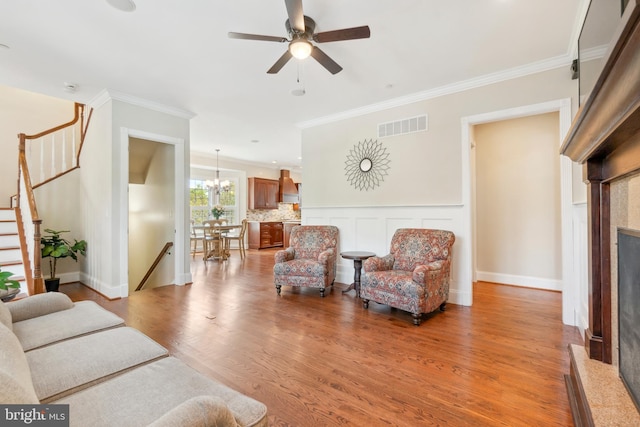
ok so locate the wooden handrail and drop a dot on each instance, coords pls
(53, 178)
(22, 160)
(83, 133)
(78, 111)
(155, 264)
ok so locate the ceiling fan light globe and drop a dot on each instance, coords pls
(300, 48)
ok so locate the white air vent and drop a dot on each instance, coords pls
(400, 127)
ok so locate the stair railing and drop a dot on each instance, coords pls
(162, 253)
(53, 153)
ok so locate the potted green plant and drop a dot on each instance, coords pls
(217, 211)
(55, 247)
(9, 288)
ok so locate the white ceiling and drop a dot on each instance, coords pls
(177, 53)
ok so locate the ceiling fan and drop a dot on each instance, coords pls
(301, 33)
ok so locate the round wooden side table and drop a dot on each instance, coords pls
(357, 257)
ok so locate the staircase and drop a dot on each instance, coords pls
(10, 252)
(42, 158)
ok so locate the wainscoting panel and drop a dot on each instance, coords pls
(371, 229)
(364, 235)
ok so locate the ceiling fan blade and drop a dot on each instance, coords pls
(344, 34)
(325, 61)
(296, 17)
(280, 62)
(244, 36)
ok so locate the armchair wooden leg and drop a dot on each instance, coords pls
(322, 292)
(365, 303)
(443, 306)
(278, 289)
(417, 318)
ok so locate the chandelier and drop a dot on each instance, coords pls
(216, 185)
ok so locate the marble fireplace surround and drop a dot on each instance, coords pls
(605, 139)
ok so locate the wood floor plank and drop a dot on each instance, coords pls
(329, 362)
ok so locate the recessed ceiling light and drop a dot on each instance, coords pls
(123, 5)
(70, 87)
(255, 141)
(274, 161)
(3, 46)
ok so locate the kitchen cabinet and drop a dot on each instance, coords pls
(265, 234)
(263, 193)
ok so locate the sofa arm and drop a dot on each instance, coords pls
(39, 305)
(429, 272)
(284, 255)
(378, 263)
(198, 411)
(327, 256)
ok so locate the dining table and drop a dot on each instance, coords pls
(221, 251)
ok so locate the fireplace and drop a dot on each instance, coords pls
(605, 139)
(628, 312)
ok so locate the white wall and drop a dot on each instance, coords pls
(518, 202)
(425, 174)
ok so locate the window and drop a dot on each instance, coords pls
(199, 201)
(202, 201)
(229, 201)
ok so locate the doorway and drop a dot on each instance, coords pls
(563, 107)
(172, 158)
(517, 202)
(151, 213)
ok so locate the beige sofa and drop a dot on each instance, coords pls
(55, 351)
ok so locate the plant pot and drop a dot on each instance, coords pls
(52, 285)
(8, 294)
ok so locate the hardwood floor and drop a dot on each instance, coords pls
(327, 361)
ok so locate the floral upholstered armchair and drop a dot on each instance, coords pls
(310, 260)
(415, 276)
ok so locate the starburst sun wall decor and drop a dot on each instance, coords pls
(367, 164)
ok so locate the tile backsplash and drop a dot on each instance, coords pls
(284, 212)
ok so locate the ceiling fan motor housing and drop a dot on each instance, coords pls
(309, 29)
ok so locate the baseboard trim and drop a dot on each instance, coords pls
(524, 281)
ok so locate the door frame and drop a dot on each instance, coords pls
(563, 107)
(179, 209)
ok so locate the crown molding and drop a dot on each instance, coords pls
(487, 79)
(111, 95)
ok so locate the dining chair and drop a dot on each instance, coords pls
(196, 235)
(239, 237)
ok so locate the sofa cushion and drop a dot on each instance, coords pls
(300, 267)
(145, 394)
(5, 316)
(15, 376)
(78, 363)
(39, 305)
(82, 318)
